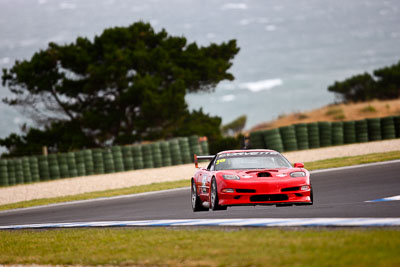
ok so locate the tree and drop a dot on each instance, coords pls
(127, 84)
(385, 84)
(235, 127)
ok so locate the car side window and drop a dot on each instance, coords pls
(210, 166)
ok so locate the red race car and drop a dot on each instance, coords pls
(249, 177)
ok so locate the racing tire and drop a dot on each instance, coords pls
(214, 202)
(196, 202)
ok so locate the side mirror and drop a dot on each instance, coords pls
(299, 165)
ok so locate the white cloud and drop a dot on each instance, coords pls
(228, 98)
(261, 85)
(270, 28)
(241, 6)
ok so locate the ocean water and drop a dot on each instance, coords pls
(291, 51)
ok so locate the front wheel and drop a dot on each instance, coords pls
(214, 202)
(196, 202)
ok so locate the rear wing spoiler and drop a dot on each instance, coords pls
(197, 158)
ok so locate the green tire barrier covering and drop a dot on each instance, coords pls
(185, 149)
(325, 134)
(80, 163)
(19, 173)
(337, 133)
(26, 169)
(166, 154)
(72, 167)
(53, 167)
(301, 136)
(273, 140)
(388, 128)
(176, 152)
(98, 163)
(34, 167)
(117, 157)
(204, 148)
(288, 135)
(195, 147)
(88, 159)
(396, 120)
(127, 158)
(147, 156)
(313, 135)
(108, 161)
(11, 172)
(361, 131)
(374, 129)
(257, 140)
(63, 165)
(3, 172)
(43, 168)
(137, 155)
(156, 154)
(349, 132)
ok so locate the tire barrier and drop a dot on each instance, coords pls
(147, 156)
(63, 165)
(374, 129)
(88, 160)
(257, 140)
(313, 135)
(301, 136)
(396, 120)
(43, 168)
(361, 131)
(349, 132)
(137, 155)
(26, 169)
(116, 152)
(166, 154)
(273, 140)
(325, 134)
(195, 147)
(99, 161)
(34, 167)
(108, 161)
(3, 172)
(388, 128)
(337, 133)
(176, 152)
(72, 168)
(157, 156)
(288, 135)
(185, 150)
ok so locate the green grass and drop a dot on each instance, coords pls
(368, 109)
(202, 247)
(323, 164)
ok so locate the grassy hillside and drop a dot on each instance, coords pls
(337, 112)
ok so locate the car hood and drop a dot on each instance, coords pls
(261, 173)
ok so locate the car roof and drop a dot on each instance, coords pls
(246, 150)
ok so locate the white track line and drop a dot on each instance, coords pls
(277, 222)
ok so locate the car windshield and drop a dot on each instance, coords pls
(250, 160)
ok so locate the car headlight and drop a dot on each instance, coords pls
(298, 174)
(230, 177)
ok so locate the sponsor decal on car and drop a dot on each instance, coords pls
(247, 154)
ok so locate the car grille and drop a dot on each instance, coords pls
(261, 198)
(296, 188)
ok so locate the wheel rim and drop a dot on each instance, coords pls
(194, 196)
(213, 194)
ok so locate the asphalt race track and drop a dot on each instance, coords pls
(338, 193)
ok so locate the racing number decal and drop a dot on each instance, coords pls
(219, 161)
